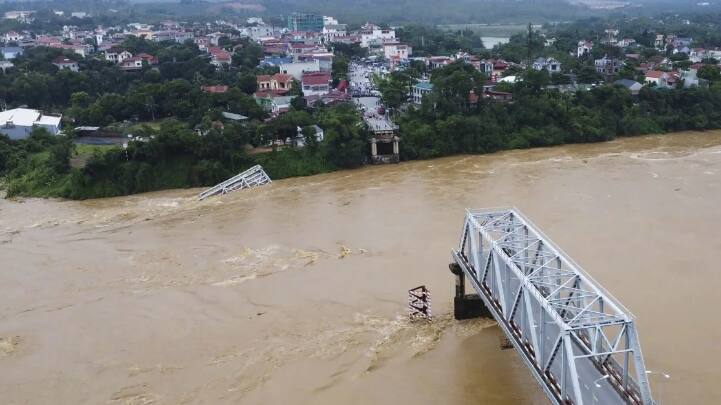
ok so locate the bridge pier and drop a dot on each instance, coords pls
(466, 306)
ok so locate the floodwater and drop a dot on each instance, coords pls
(296, 293)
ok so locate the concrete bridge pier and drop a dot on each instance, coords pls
(466, 306)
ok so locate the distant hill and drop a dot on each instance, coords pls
(433, 11)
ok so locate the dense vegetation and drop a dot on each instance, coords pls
(173, 156)
(448, 123)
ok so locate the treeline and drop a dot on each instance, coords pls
(448, 122)
(174, 156)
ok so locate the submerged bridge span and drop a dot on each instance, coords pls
(578, 341)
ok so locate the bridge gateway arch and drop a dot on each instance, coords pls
(578, 341)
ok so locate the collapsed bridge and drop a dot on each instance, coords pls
(578, 341)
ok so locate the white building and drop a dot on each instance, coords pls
(117, 55)
(584, 48)
(296, 69)
(376, 36)
(396, 51)
(12, 36)
(18, 123)
(327, 20)
(550, 64)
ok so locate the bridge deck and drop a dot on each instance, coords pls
(579, 342)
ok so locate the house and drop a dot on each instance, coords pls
(219, 57)
(117, 55)
(420, 90)
(278, 82)
(148, 58)
(316, 83)
(659, 78)
(584, 48)
(550, 64)
(297, 69)
(11, 52)
(436, 62)
(134, 63)
(608, 66)
(19, 122)
(12, 36)
(63, 63)
(272, 102)
(633, 86)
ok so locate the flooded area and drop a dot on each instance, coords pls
(297, 292)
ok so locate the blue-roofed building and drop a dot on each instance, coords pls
(420, 90)
(11, 52)
(271, 61)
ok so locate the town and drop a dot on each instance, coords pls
(275, 86)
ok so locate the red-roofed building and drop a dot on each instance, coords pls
(278, 82)
(316, 83)
(149, 59)
(215, 89)
(63, 63)
(219, 57)
(661, 79)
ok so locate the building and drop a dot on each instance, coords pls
(374, 36)
(63, 63)
(11, 52)
(117, 55)
(584, 48)
(297, 69)
(214, 89)
(20, 16)
(219, 57)
(551, 65)
(659, 78)
(332, 32)
(608, 66)
(19, 123)
(420, 90)
(633, 86)
(690, 79)
(305, 22)
(12, 36)
(396, 51)
(278, 82)
(316, 83)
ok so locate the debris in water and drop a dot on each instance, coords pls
(344, 251)
(8, 345)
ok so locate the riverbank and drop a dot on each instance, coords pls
(177, 173)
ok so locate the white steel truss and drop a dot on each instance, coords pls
(253, 177)
(579, 342)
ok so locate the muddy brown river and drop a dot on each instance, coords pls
(296, 293)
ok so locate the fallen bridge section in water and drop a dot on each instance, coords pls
(579, 342)
(253, 177)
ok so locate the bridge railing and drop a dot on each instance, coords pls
(579, 342)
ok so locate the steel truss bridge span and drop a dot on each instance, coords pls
(579, 342)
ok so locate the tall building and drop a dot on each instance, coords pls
(305, 22)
